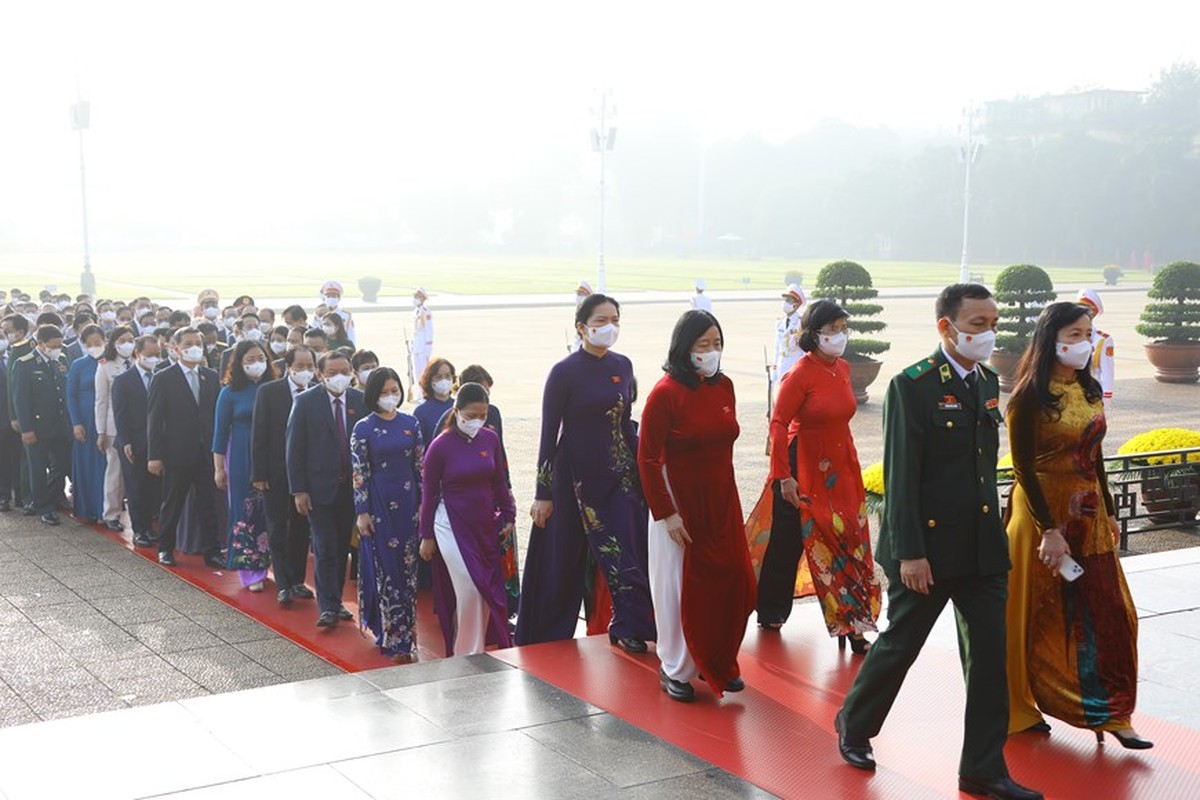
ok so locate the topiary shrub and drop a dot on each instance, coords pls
(1021, 291)
(847, 282)
(1175, 317)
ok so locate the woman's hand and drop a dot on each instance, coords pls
(676, 531)
(790, 491)
(1052, 549)
(221, 479)
(541, 511)
(428, 548)
(1115, 527)
(365, 526)
(506, 531)
(80, 433)
(102, 443)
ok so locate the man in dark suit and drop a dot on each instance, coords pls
(130, 395)
(287, 529)
(80, 321)
(40, 400)
(15, 328)
(214, 346)
(942, 540)
(10, 440)
(318, 468)
(181, 407)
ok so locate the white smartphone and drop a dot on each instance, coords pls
(1069, 568)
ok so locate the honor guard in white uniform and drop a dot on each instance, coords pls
(331, 296)
(422, 340)
(1102, 343)
(787, 333)
(582, 292)
(701, 301)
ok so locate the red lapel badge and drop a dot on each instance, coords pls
(616, 378)
(992, 403)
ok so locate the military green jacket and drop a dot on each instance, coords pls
(14, 355)
(40, 396)
(940, 443)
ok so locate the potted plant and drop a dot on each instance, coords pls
(370, 286)
(1022, 290)
(848, 283)
(872, 478)
(1111, 273)
(1173, 322)
(1171, 496)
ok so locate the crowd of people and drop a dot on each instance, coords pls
(224, 431)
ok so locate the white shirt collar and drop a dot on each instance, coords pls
(962, 373)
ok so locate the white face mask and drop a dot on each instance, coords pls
(832, 346)
(3, 344)
(125, 349)
(605, 336)
(363, 375)
(254, 334)
(96, 351)
(278, 348)
(303, 377)
(255, 370)
(192, 354)
(789, 308)
(443, 386)
(470, 427)
(417, 302)
(1075, 356)
(211, 312)
(330, 330)
(53, 355)
(332, 301)
(108, 316)
(388, 403)
(975, 346)
(150, 362)
(337, 383)
(229, 322)
(708, 363)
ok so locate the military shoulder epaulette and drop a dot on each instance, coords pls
(989, 367)
(28, 356)
(921, 368)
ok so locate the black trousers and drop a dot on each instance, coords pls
(777, 576)
(979, 605)
(11, 463)
(177, 481)
(49, 466)
(330, 525)
(287, 535)
(143, 493)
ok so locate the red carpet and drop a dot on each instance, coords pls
(344, 645)
(778, 733)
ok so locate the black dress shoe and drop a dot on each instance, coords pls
(1128, 742)
(49, 518)
(5, 506)
(855, 750)
(142, 540)
(114, 525)
(1037, 727)
(344, 613)
(284, 597)
(214, 560)
(166, 558)
(735, 685)
(676, 690)
(327, 619)
(29, 511)
(628, 644)
(997, 789)
(303, 592)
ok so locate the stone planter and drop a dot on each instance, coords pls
(862, 375)
(1173, 499)
(370, 286)
(1006, 365)
(1175, 363)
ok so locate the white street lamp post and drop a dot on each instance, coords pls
(80, 113)
(604, 138)
(967, 154)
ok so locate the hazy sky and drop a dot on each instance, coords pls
(228, 117)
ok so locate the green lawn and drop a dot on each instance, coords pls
(275, 274)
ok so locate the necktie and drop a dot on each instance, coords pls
(343, 445)
(146, 379)
(128, 364)
(193, 384)
(970, 379)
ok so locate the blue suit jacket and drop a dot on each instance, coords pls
(313, 465)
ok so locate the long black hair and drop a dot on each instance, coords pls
(1037, 364)
(690, 327)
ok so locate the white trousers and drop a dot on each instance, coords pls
(666, 590)
(114, 486)
(471, 613)
(420, 358)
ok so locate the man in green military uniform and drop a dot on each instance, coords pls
(40, 406)
(16, 329)
(942, 540)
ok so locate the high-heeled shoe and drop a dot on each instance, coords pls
(1128, 742)
(628, 644)
(858, 644)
